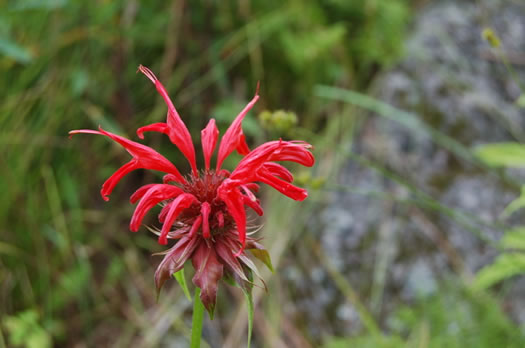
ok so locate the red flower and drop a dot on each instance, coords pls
(205, 211)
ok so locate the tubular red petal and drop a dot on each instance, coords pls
(235, 204)
(164, 212)
(255, 205)
(233, 137)
(282, 186)
(144, 157)
(195, 227)
(278, 170)
(249, 193)
(152, 197)
(205, 213)
(176, 129)
(180, 203)
(140, 193)
(160, 127)
(242, 148)
(169, 178)
(112, 181)
(209, 136)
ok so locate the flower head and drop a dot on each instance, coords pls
(206, 211)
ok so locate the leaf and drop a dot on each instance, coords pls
(181, 279)
(515, 205)
(264, 256)
(514, 238)
(249, 300)
(505, 266)
(502, 154)
(13, 50)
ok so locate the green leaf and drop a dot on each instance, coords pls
(249, 300)
(515, 205)
(264, 256)
(181, 279)
(505, 266)
(502, 154)
(521, 101)
(514, 239)
(13, 50)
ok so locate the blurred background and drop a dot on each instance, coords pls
(411, 234)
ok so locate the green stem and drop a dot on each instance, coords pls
(198, 316)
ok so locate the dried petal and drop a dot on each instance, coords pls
(208, 272)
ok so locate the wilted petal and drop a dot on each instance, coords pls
(209, 136)
(153, 196)
(225, 252)
(180, 203)
(175, 128)
(208, 272)
(174, 260)
(234, 138)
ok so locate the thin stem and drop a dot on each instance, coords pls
(198, 316)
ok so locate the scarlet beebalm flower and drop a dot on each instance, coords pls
(205, 211)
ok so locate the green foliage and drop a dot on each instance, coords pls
(502, 154)
(181, 279)
(453, 318)
(25, 330)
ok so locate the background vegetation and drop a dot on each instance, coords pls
(71, 274)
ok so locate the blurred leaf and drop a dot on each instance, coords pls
(514, 239)
(521, 101)
(367, 342)
(505, 266)
(13, 50)
(249, 299)
(24, 330)
(20, 5)
(515, 205)
(264, 256)
(181, 279)
(502, 154)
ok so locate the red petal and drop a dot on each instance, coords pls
(155, 195)
(205, 213)
(144, 157)
(208, 272)
(195, 227)
(242, 148)
(169, 178)
(174, 260)
(278, 170)
(256, 206)
(176, 129)
(282, 186)
(140, 193)
(233, 137)
(234, 202)
(180, 203)
(155, 127)
(209, 136)
(220, 219)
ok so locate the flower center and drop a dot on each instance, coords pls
(204, 188)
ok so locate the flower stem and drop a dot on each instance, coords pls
(198, 316)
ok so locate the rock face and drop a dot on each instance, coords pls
(389, 247)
